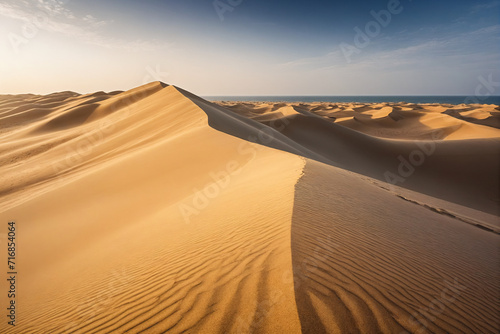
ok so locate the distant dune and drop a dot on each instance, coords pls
(445, 156)
(154, 210)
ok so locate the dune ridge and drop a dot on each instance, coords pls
(154, 210)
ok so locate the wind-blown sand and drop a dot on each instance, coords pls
(154, 211)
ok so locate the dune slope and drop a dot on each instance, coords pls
(150, 229)
(387, 265)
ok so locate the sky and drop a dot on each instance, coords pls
(252, 47)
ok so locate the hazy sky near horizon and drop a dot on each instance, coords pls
(251, 47)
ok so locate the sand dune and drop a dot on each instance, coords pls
(439, 155)
(396, 120)
(388, 266)
(154, 210)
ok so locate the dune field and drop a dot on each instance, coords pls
(156, 211)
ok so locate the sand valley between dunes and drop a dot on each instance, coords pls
(154, 211)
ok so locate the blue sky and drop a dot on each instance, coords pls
(251, 47)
